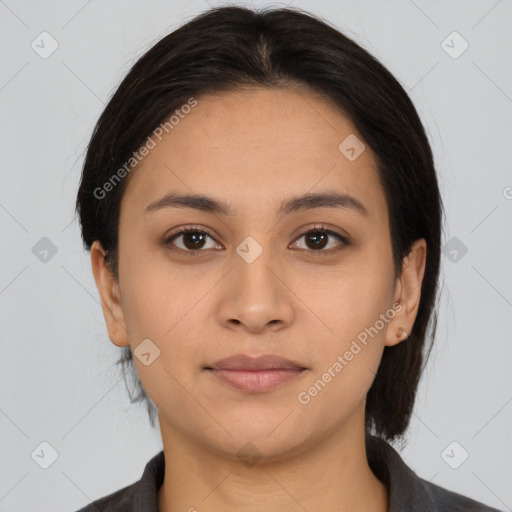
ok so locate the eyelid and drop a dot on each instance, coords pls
(327, 228)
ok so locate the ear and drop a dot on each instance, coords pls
(108, 289)
(407, 293)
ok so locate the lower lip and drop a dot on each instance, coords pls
(256, 381)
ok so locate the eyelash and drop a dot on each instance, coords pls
(321, 229)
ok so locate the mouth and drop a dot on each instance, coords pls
(255, 374)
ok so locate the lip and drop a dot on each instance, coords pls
(248, 363)
(255, 374)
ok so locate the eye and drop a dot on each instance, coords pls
(317, 239)
(193, 239)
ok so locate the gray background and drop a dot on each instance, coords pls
(59, 384)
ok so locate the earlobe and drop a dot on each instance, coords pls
(401, 334)
(408, 293)
(108, 290)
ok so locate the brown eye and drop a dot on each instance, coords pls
(318, 239)
(192, 239)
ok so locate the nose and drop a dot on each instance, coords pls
(254, 296)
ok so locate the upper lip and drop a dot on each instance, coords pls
(263, 362)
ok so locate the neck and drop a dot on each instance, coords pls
(333, 474)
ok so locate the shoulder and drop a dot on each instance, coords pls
(140, 495)
(443, 499)
(407, 491)
(119, 501)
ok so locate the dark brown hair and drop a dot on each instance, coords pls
(226, 48)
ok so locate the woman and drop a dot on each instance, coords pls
(263, 214)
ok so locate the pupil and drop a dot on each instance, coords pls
(317, 237)
(196, 238)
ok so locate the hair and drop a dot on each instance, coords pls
(229, 48)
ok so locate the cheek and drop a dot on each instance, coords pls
(163, 308)
(348, 300)
(347, 363)
(155, 297)
(355, 313)
(333, 393)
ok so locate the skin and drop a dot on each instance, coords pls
(253, 149)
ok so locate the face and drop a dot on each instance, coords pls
(310, 281)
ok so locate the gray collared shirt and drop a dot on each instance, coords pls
(407, 492)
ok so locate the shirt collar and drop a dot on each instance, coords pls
(145, 498)
(406, 491)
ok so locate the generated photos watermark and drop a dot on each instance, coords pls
(304, 397)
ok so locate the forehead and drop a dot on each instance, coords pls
(254, 147)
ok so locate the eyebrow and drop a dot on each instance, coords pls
(329, 199)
